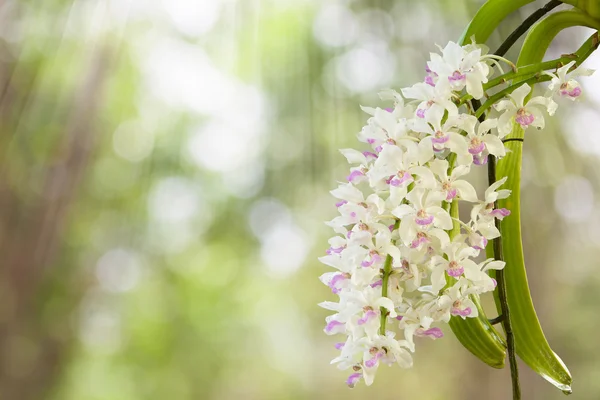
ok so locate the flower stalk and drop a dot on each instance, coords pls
(385, 279)
(504, 307)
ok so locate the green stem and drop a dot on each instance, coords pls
(532, 69)
(579, 56)
(455, 224)
(385, 279)
(525, 25)
(505, 315)
(534, 72)
(493, 99)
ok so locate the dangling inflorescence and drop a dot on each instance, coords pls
(403, 260)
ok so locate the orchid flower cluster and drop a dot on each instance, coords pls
(403, 262)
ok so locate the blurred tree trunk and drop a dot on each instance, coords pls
(33, 347)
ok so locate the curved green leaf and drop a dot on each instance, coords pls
(479, 337)
(488, 17)
(530, 342)
(541, 34)
(476, 334)
(590, 7)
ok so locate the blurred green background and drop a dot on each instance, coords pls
(164, 177)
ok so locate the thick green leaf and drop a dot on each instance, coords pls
(591, 7)
(530, 342)
(488, 17)
(476, 334)
(541, 34)
(479, 337)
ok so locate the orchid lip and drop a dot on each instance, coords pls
(456, 77)
(377, 284)
(480, 159)
(477, 246)
(399, 181)
(463, 313)
(477, 149)
(455, 272)
(419, 241)
(440, 140)
(368, 315)
(451, 194)
(367, 263)
(376, 258)
(524, 118)
(576, 92)
(424, 221)
(500, 213)
(373, 361)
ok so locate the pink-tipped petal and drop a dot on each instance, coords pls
(370, 155)
(353, 379)
(335, 327)
(354, 175)
(434, 333)
(340, 203)
(376, 284)
(366, 263)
